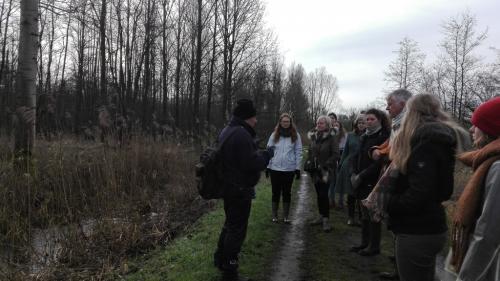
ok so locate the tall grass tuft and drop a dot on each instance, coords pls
(104, 202)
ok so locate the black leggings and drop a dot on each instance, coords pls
(282, 185)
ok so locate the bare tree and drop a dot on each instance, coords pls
(406, 70)
(295, 99)
(460, 41)
(321, 90)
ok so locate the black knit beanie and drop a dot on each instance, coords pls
(244, 109)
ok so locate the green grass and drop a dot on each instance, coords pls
(189, 258)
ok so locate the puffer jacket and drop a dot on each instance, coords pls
(287, 154)
(365, 167)
(324, 150)
(415, 205)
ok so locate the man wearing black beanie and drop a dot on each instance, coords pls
(242, 165)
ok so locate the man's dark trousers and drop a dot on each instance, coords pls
(237, 210)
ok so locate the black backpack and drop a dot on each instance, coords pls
(209, 177)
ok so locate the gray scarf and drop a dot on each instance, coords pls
(396, 121)
(371, 131)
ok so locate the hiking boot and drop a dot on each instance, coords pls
(326, 225)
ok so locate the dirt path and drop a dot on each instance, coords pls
(287, 264)
(309, 254)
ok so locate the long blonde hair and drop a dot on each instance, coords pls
(420, 109)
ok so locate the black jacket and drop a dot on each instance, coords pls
(367, 168)
(415, 207)
(242, 160)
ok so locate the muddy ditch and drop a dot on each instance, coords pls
(95, 249)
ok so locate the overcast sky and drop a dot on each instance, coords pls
(355, 39)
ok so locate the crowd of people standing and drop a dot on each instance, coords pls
(396, 168)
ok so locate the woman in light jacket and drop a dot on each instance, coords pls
(476, 231)
(285, 164)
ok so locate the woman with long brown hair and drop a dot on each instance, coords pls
(285, 164)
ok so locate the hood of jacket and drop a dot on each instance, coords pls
(435, 132)
(313, 134)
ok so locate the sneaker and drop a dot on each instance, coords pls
(287, 221)
(275, 219)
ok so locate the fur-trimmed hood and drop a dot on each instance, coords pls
(313, 134)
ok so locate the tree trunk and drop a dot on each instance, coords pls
(212, 65)
(102, 37)
(26, 78)
(196, 109)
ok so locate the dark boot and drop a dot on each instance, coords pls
(275, 211)
(365, 234)
(374, 246)
(286, 212)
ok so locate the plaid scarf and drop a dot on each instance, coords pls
(468, 206)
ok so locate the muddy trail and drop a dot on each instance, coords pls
(310, 254)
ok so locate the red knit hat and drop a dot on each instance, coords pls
(487, 117)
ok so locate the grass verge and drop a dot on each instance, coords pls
(189, 258)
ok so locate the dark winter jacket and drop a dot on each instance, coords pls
(415, 206)
(324, 150)
(243, 162)
(365, 167)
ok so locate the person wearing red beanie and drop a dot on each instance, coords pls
(487, 117)
(475, 253)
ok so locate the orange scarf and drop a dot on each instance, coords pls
(468, 205)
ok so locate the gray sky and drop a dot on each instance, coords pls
(355, 39)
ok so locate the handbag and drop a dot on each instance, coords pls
(310, 166)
